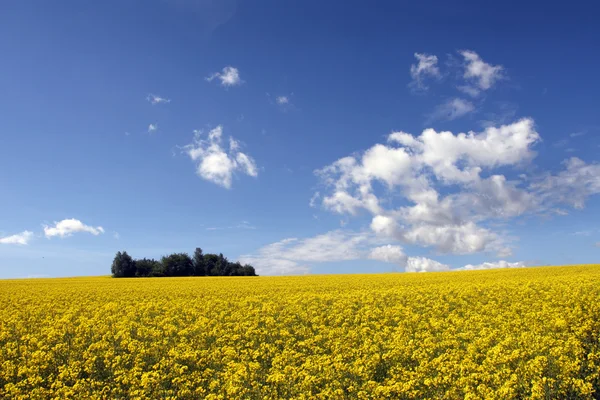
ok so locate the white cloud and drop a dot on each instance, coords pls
(452, 109)
(67, 227)
(426, 66)
(282, 100)
(482, 75)
(22, 238)
(422, 264)
(577, 134)
(116, 235)
(230, 76)
(390, 254)
(155, 99)
(152, 128)
(446, 190)
(465, 238)
(217, 164)
(294, 256)
(493, 265)
(571, 186)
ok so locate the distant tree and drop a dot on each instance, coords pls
(123, 266)
(177, 264)
(147, 267)
(248, 270)
(199, 264)
(211, 262)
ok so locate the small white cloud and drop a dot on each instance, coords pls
(215, 163)
(22, 238)
(426, 66)
(482, 74)
(576, 134)
(155, 99)
(493, 265)
(390, 254)
(67, 227)
(422, 264)
(116, 235)
(152, 128)
(230, 76)
(452, 109)
(282, 100)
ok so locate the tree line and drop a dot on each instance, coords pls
(178, 264)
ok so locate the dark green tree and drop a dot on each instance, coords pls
(177, 264)
(248, 270)
(123, 266)
(199, 265)
(211, 262)
(147, 267)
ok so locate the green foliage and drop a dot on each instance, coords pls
(123, 266)
(179, 264)
(199, 265)
(148, 267)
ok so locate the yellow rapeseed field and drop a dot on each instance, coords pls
(501, 334)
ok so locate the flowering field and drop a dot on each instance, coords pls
(527, 333)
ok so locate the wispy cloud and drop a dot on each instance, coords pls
(229, 76)
(241, 225)
(22, 238)
(452, 109)
(282, 100)
(156, 99)
(152, 128)
(67, 227)
(426, 67)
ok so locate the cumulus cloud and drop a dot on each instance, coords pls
(67, 227)
(452, 109)
(425, 67)
(448, 187)
(22, 238)
(422, 264)
(390, 254)
(493, 265)
(152, 128)
(156, 99)
(216, 163)
(481, 75)
(229, 76)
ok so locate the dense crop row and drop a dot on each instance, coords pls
(477, 335)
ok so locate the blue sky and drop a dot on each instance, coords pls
(301, 136)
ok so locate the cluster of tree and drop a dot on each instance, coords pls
(178, 264)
